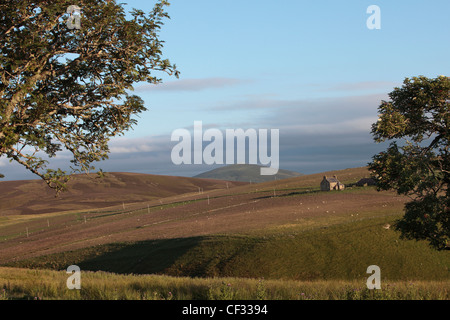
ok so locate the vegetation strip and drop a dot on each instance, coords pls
(51, 285)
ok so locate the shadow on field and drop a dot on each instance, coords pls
(201, 256)
(141, 257)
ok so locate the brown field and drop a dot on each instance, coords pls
(128, 207)
(28, 197)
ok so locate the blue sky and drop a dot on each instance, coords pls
(293, 50)
(311, 69)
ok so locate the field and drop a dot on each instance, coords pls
(211, 239)
(47, 284)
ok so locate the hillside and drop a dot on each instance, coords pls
(90, 192)
(245, 173)
(284, 229)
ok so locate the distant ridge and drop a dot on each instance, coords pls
(245, 173)
(89, 192)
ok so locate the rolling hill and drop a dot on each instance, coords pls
(283, 229)
(245, 173)
(89, 192)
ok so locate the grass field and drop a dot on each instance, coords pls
(221, 243)
(51, 285)
(338, 252)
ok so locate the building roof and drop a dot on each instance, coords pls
(332, 179)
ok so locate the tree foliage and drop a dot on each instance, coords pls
(66, 89)
(417, 161)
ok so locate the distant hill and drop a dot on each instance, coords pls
(89, 192)
(245, 173)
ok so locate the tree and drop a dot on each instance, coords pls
(417, 161)
(65, 88)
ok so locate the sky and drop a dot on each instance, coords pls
(311, 69)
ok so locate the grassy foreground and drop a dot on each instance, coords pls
(16, 283)
(338, 252)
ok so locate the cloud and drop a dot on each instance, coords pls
(351, 126)
(363, 86)
(255, 103)
(137, 145)
(315, 135)
(3, 161)
(192, 84)
(328, 111)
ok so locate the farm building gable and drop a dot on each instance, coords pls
(332, 183)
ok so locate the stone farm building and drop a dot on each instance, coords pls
(329, 184)
(366, 182)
